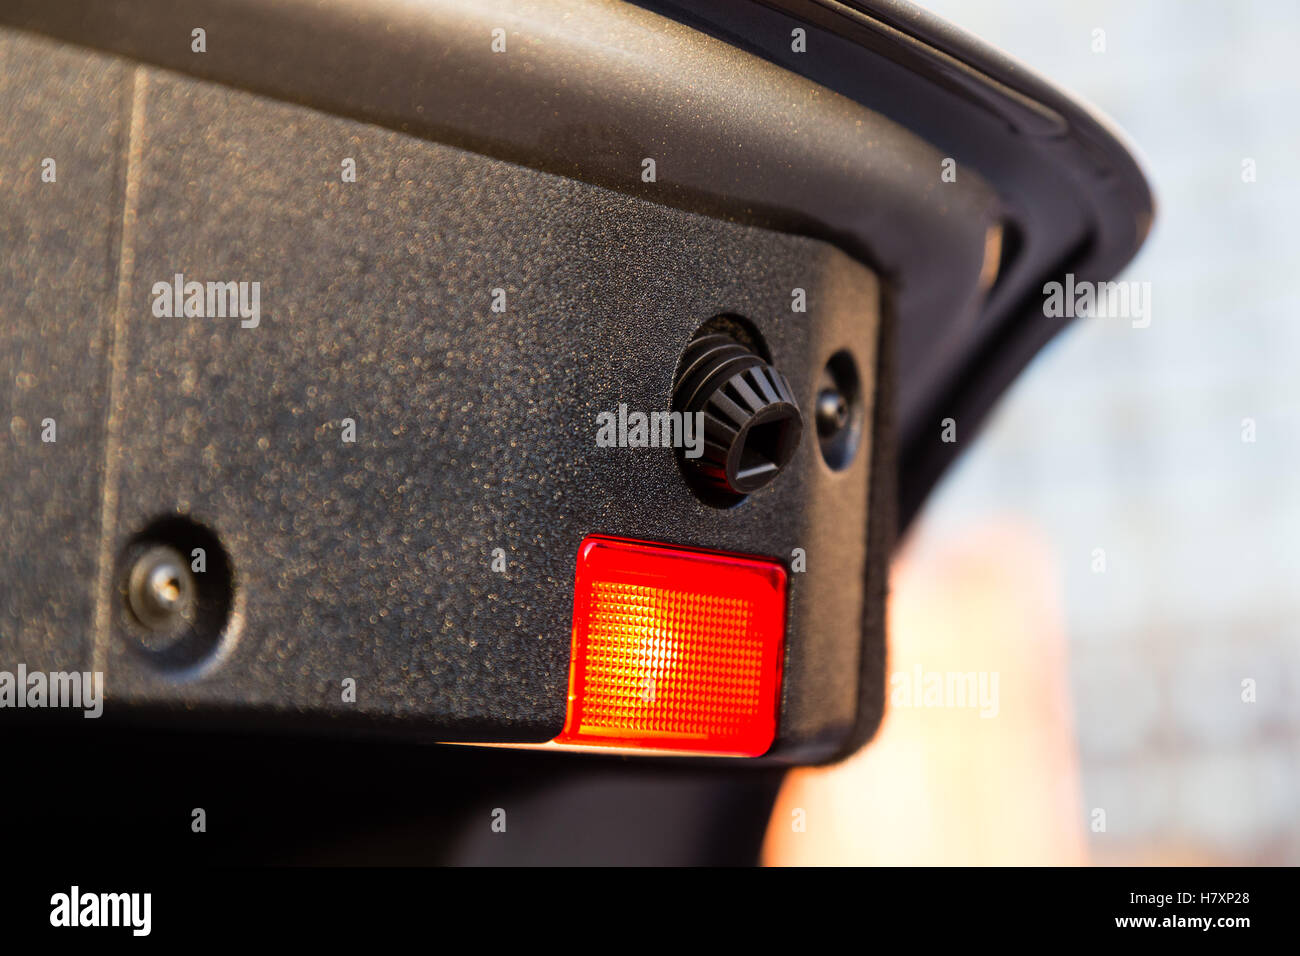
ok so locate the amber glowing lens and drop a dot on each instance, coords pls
(675, 649)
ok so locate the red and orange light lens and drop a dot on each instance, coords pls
(675, 649)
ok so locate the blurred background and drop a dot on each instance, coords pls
(1121, 544)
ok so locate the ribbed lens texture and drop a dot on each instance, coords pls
(675, 649)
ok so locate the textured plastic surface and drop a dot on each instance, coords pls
(592, 88)
(373, 560)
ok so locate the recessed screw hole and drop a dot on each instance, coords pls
(174, 614)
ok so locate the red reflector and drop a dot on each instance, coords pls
(674, 649)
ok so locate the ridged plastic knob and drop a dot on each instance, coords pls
(752, 423)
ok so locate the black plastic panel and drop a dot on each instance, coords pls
(589, 89)
(58, 275)
(475, 429)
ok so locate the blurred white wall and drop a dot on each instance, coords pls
(1131, 440)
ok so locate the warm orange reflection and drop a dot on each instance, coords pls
(976, 761)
